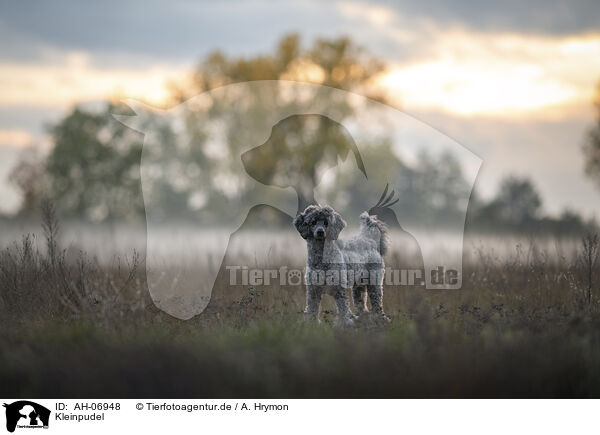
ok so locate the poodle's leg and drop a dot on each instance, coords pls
(359, 299)
(342, 301)
(376, 296)
(313, 303)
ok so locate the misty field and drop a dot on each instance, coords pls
(78, 323)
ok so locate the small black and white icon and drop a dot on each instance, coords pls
(26, 414)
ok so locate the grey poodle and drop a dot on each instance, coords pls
(335, 266)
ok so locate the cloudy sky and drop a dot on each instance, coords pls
(513, 81)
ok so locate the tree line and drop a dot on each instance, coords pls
(92, 172)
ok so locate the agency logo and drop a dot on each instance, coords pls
(24, 414)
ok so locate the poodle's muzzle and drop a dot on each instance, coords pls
(319, 230)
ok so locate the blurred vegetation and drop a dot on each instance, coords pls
(92, 172)
(517, 207)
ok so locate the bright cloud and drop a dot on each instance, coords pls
(15, 138)
(73, 78)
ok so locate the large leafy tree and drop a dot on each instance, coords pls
(91, 173)
(336, 63)
(94, 166)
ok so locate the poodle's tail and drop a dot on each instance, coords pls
(374, 229)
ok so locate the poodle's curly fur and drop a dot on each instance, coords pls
(335, 266)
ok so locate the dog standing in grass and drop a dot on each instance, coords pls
(335, 266)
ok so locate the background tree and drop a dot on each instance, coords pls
(29, 177)
(93, 168)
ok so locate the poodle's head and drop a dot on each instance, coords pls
(319, 223)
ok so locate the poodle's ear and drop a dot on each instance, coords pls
(302, 226)
(336, 225)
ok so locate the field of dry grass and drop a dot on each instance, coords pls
(525, 324)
